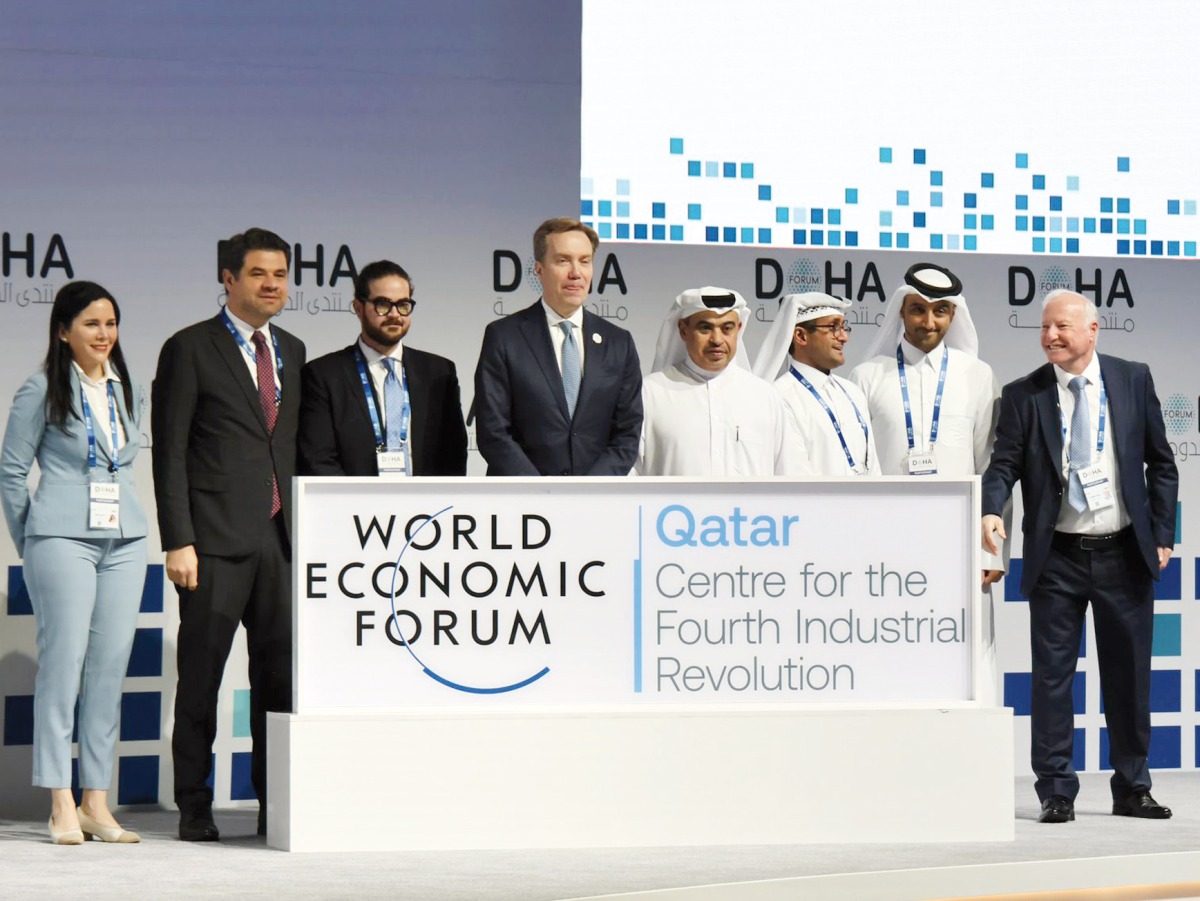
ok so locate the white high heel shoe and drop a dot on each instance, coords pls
(111, 834)
(66, 837)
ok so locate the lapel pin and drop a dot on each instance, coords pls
(596, 339)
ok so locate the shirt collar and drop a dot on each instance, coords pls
(374, 357)
(1091, 373)
(245, 329)
(110, 375)
(815, 376)
(914, 356)
(703, 375)
(576, 318)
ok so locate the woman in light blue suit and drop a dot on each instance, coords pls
(82, 536)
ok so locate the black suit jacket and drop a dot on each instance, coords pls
(521, 422)
(336, 437)
(1029, 446)
(213, 457)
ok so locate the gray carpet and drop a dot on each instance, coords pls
(242, 866)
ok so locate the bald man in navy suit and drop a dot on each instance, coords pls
(558, 389)
(1085, 436)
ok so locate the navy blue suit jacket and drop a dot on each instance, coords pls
(336, 436)
(521, 422)
(1029, 446)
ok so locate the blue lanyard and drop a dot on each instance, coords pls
(1062, 418)
(91, 431)
(937, 400)
(833, 418)
(405, 412)
(245, 345)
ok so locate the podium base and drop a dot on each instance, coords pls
(433, 780)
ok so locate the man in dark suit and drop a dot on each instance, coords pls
(558, 389)
(225, 404)
(354, 399)
(1085, 436)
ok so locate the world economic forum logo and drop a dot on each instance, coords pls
(1179, 414)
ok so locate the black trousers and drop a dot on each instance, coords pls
(255, 591)
(1115, 580)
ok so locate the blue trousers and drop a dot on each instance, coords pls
(86, 594)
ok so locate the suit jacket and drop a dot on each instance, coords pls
(213, 457)
(521, 422)
(1029, 446)
(60, 505)
(336, 437)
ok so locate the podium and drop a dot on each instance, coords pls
(558, 663)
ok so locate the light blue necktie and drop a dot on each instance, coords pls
(1079, 451)
(393, 402)
(570, 366)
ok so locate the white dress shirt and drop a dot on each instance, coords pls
(1114, 517)
(97, 398)
(700, 423)
(247, 331)
(557, 337)
(819, 440)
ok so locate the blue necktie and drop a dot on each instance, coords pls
(570, 366)
(393, 403)
(1079, 451)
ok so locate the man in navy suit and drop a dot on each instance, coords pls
(345, 414)
(1085, 436)
(558, 389)
(224, 410)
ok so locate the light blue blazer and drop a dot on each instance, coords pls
(59, 507)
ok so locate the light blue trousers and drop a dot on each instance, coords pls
(85, 594)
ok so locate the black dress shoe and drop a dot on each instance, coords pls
(1140, 804)
(1057, 809)
(198, 826)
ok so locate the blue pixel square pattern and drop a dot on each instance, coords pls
(676, 145)
(851, 239)
(918, 220)
(1169, 586)
(1166, 635)
(585, 208)
(799, 236)
(658, 232)
(885, 154)
(816, 236)
(1022, 201)
(935, 178)
(1055, 203)
(1172, 207)
(901, 198)
(935, 198)
(816, 215)
(137, 780)
(1039, 183)
(693, 211)
(711, 233)
(18, 720)
(18, 595)
(747, 170)
(658, 211)
(1122, 204)
(1123, 166)
(1022, 161)
(1165, 752)
(729, 235)
(747, 235)
(729, 170)
(676, 232)
(604, 208)
(781, 214)
(141, 716)
(833, 217)
(694, 168)
(764, 192)
(764, 236)
(639, 231)
(987, 180)
(622, 231)
(241, 788)
(919, 157)
(969, 201)
(1166, 691)
(604, 230)
(1106, 204)
(851, 195)
(145, 659)
(152, 591)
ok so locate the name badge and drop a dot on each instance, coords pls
(922, 464)
(104, 506)
(1097, 489)
(392, 463)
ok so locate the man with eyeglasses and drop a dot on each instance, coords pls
(378, 407)
(933, 402)
(806, 343)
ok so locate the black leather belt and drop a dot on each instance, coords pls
(1069, 541)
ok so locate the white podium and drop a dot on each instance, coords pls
(556, 663)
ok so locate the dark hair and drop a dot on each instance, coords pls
(378, 269)
(72, 299)
(233, 251)
(558, 227)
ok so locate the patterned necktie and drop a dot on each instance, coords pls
(1079, 451)
(570, 366)
(393, 405)
(264, 362)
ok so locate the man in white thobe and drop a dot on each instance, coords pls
(805, 344)
(927, 352)
(705, 413)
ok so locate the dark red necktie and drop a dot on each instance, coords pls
(266, 398)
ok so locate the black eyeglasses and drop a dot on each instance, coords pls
(834, 328)
(384, 307)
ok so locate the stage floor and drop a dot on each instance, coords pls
(1098, 850)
